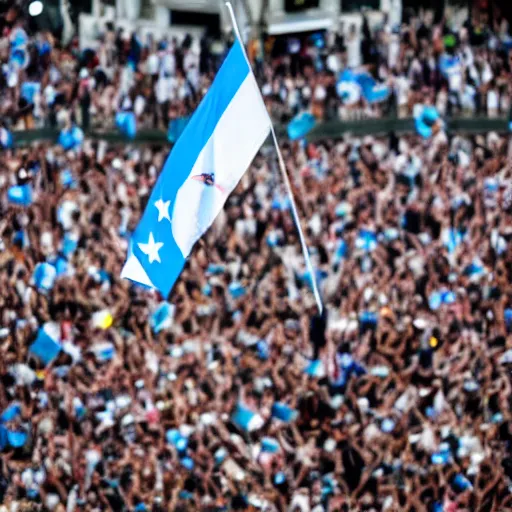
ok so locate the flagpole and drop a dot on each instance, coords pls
(286, 179)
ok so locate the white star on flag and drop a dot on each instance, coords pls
(163, 210)
(151, 249)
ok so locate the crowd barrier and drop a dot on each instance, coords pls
(330, 129)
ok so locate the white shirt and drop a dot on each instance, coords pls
(402, 87)
(492, 100)
(353, 52)
(168, 66)
(153, 64)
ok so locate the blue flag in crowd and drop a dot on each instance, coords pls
(44, 276)
(245, 419)
(20, 195)
(29, 90)
(127, 124)
(301, 125)
(19, 57)
(47, 345)
(284, 412)
(72, 138)
(206, 164)
(450, 65)
(351, 86)
(425, 117)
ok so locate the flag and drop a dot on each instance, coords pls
(44, 276)
(301, 125)
(47, 344)
(20, 195)
(270, 445)
(284, 412)
(315, 369)
(12, 412)
(207, 162)
(127, 124)
(71, 138)
(425, 117)
(103, 351)
(246, 420)
(162, 317)
(351, 86)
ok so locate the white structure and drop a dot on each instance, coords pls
(154, 16)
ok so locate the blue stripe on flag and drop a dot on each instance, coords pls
(180, 162)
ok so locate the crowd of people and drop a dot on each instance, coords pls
(236, 392)
(462, 71)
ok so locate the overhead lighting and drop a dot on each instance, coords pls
(35, 8)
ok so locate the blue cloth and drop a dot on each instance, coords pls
(187, 195)
(69, 244)
(60, 264)
(269, 445)
(66, 179)
(351, 86)
(283, 412)
(20, 195)
(46, 347)
(245, 419)
(16, 439)
(29, 90)
(44, 48)
(373, 92)
(347, 367)
(72, 138)
(187, 463)
(44, 276)
(161, 318)
(366, 240)
(508, 319)
(236, 290)
(127, 124)
(11, 438)
(425, 120)
(301, 125)
(176, 128)
(262, 349)
(215, 269)
(452, 239)
(449, 64)
(315, 369)
(19, 58)
(11, 413)
(439, 297)
(461, 483)
(180, 442)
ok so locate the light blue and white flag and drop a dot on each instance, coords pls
(301, 125)
(47, 345)
(20, 195)
(284, 412)
(245, 419)
(206, 164)
(126, 122)
(44, 277)
(352, 85)
(71, 138)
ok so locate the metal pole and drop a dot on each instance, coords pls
(286, 180)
